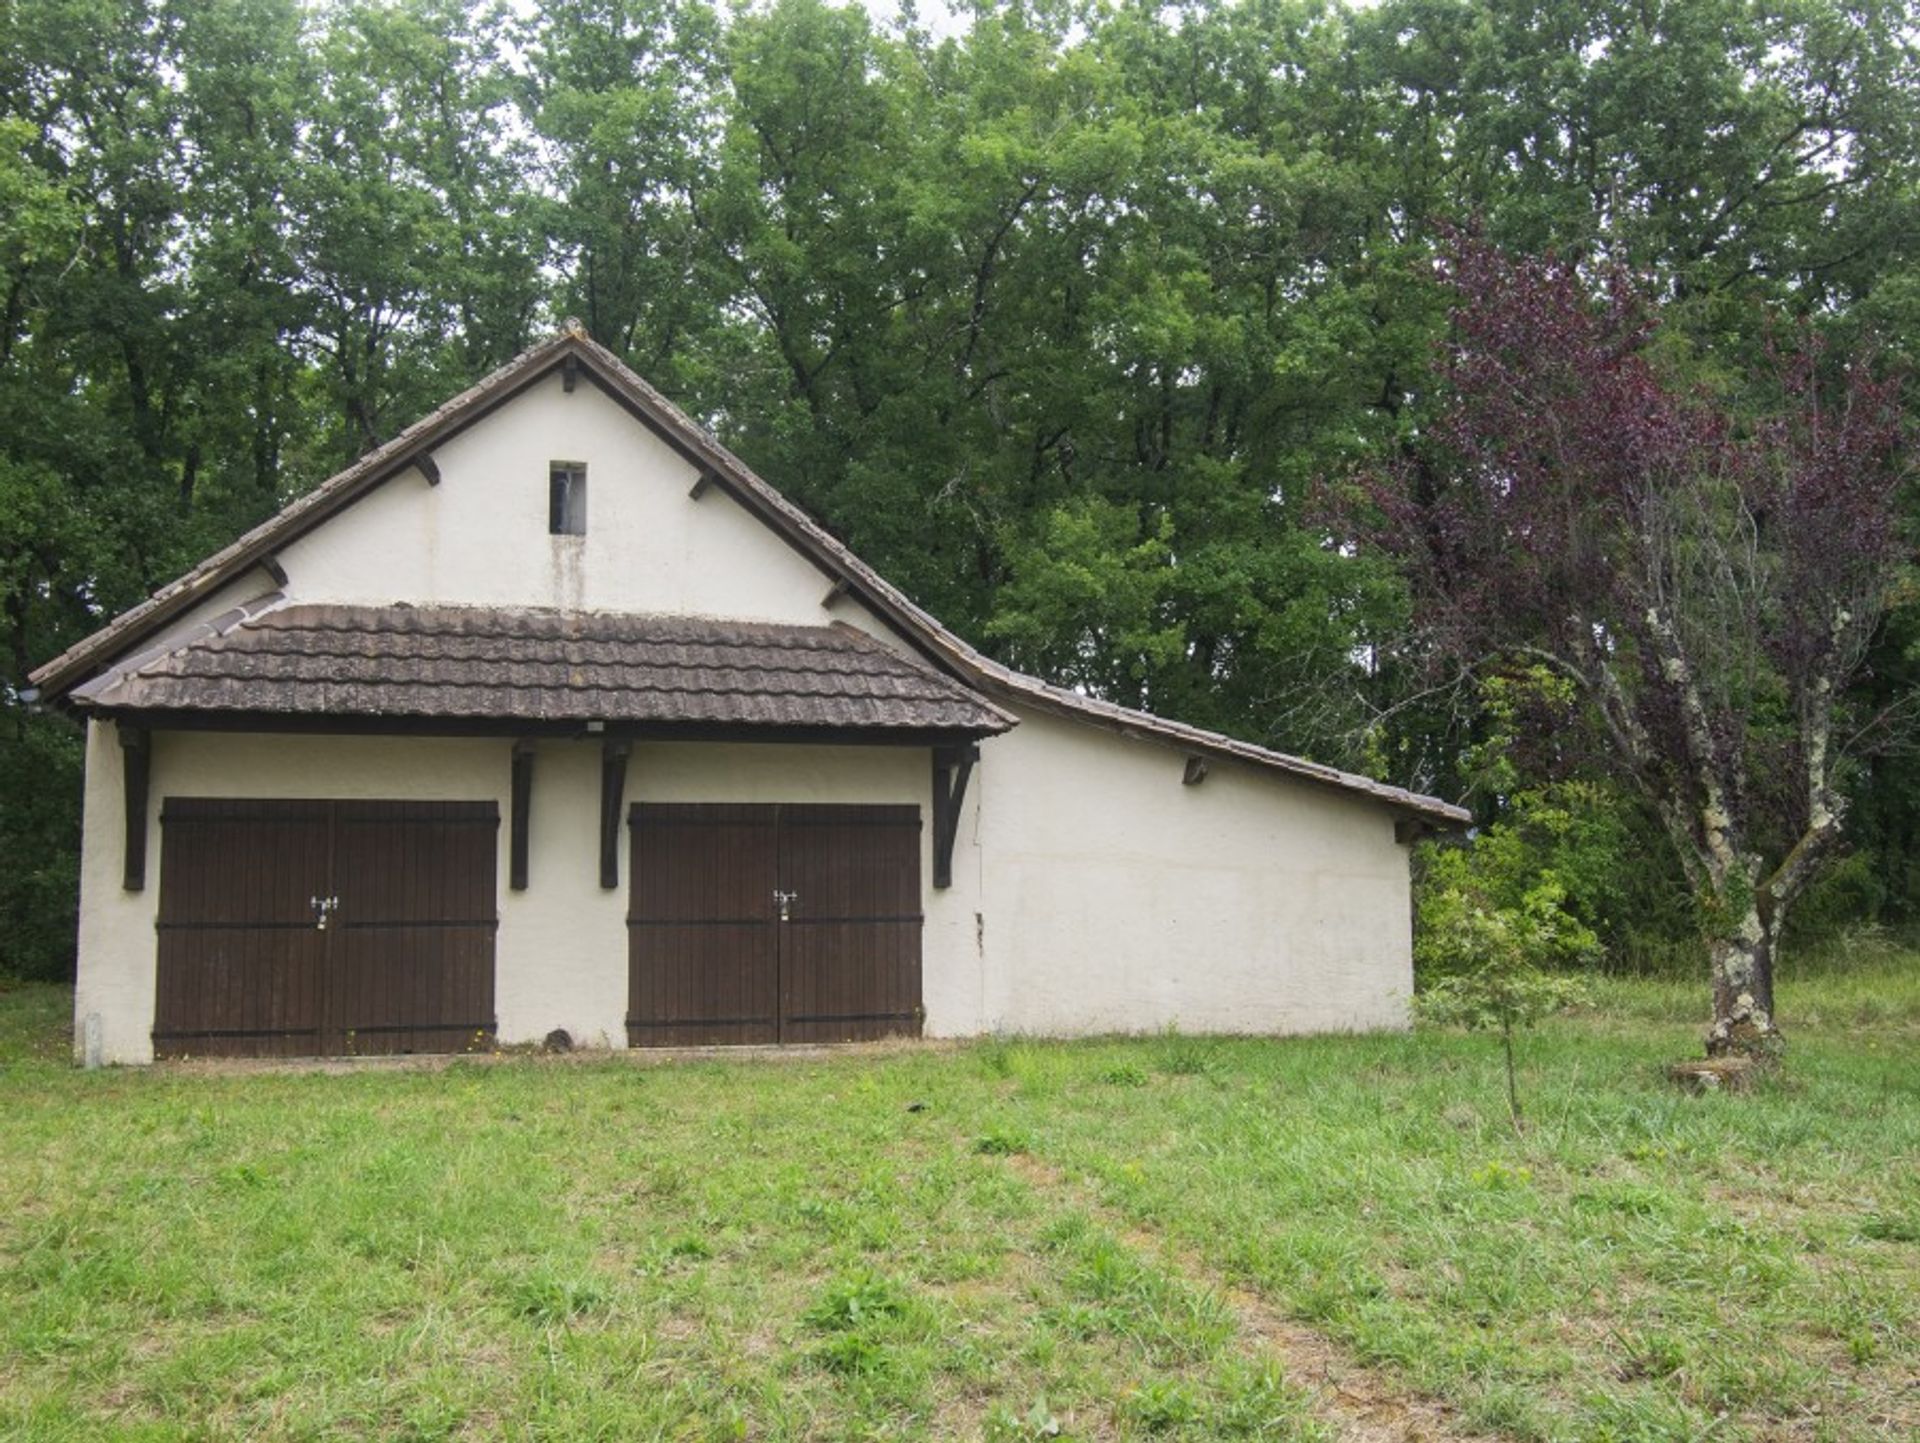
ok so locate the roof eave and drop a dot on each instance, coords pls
(1433, 811)
(233, 719)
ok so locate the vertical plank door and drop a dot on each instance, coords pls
(241, 960)
(413, 936)
(758, 923)
(702, 925)
(850, 947)
(316, 928)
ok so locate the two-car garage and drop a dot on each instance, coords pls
(326, 928)
(416, 627)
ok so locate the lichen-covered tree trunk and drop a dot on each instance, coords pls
(1743, 1016)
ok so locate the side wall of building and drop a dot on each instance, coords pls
(1118, 899)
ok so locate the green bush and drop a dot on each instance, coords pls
(40, 771)
(1599, 845)
(1492, 966)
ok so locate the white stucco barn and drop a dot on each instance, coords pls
(550, 715)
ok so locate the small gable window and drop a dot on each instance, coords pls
(567, 498)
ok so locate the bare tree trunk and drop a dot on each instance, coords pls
(1743, 1021)
(1513, 1082)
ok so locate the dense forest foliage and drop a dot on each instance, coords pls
(1063, 320)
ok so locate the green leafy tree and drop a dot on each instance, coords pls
(415, 261)
(1499, 968)
(1708, 585)
(626, 99)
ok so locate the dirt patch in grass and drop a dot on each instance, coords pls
(1364, 1404)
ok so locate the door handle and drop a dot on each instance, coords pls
(786, 901)
(323, 908)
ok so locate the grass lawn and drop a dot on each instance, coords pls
(1071, 1240)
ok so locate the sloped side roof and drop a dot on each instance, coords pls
(536, 665)
(574, 350)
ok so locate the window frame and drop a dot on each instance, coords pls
(566, 498)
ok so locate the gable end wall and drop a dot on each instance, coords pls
(480, 537)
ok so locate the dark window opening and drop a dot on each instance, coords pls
(567, 498)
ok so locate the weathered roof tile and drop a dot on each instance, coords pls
(482, 663)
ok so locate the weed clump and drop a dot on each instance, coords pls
(1183, 1056)
(850, 1303)
(1002, 1142)
(549, 1299)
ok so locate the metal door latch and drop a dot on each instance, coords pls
(786, 901)
(323, 908)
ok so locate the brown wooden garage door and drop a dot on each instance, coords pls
(791, 923)
(299, 929)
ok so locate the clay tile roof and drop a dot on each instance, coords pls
(528, 665)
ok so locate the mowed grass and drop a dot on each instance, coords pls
(880, 1244)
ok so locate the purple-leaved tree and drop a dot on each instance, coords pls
(1709, 582)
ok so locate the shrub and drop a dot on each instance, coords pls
(1602, 847)
(1492, 965)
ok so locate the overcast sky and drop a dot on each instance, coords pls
(934, 15)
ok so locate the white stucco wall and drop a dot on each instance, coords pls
(1118, 899)
(480, 537)
(1092, 891)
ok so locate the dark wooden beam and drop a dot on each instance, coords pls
(699, 487)
(322, 724)
(569, 373)
(1408, 830)
(271, 565)
(428, 467)
(613, 787)
(952, 767)
(136, 755)
(1195, 773)
(840, 588)
(522, 815)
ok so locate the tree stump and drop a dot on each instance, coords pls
(1714, 1074)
